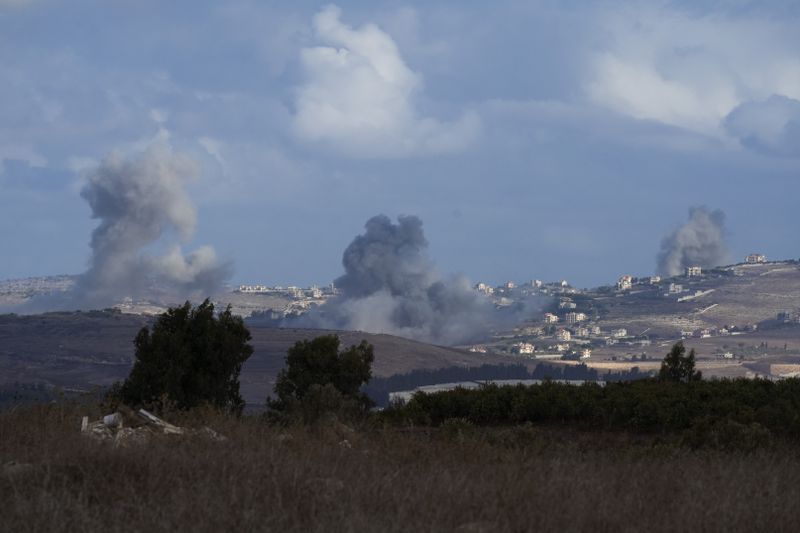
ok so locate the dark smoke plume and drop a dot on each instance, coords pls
(699, 242)
(141, 203)
(391, 286)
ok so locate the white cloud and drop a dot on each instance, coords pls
(771, 126)
(691, 71)
(21, 152)
(359, 97)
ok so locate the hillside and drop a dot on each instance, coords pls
(741, 295)
(82, 350)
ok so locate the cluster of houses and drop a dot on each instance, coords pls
(291, 292)
(532, 287)
(722, 331)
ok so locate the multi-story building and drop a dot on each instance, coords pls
(574, 318)
(693, 271)
(581, 331)
(625, 283)
(550, 318)
(755, 258)
(484, 288)
(563, 335)
(523, 348)
(675, 288)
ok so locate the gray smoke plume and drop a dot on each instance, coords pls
(391, 286)
(141, 203)
(699, 242)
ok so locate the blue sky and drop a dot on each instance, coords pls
(535, 139)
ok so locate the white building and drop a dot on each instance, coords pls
(586, 353)
(581, 332)
(655, 280)
(253, 289)
(675, 288)
(523, 348)
(484, 288)
(625, 283)
(563, 335)
(574, 318)
(693, 271)
(619, 333)
(755, 258)
(550, 318)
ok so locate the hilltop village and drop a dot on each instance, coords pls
(734, 314)
(576, 323)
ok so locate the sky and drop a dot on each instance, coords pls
(534, 139)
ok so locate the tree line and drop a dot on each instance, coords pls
(193, 356)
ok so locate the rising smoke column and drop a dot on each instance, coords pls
(142, 202)
(391, 286)
(699, 242)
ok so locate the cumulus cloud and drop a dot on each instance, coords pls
(359, 96)
(771, 126)
(698, 242)
(691, 70)
(390, 285)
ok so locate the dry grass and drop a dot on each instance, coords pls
(452, 479)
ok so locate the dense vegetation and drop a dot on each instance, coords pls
(319, 378)
(191, 356)
(379, 388)
(757, 408)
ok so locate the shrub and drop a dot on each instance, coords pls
(318, 378)
(190, 357)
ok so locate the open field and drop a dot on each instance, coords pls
(334, 478)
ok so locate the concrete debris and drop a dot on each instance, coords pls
(128, 427)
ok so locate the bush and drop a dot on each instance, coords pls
(319, 379)
(189, 358)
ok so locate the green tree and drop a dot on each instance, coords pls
(319, 377)
(679, 367)
(191, 356)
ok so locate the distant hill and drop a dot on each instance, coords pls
(741, 295)
(86, 349)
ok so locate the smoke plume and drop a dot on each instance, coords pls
(141, 205)
(699, 242)
(391, 286)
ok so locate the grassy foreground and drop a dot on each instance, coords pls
(333, 478)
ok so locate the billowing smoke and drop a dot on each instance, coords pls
(142, 205)
(391, 286)
(699, 242)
